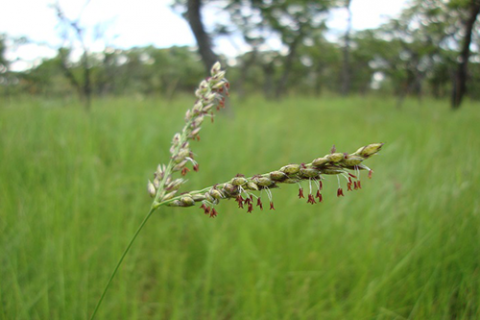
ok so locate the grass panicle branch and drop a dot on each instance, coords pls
(164, 188)
(240, 188)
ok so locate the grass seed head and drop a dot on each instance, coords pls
(211, 96)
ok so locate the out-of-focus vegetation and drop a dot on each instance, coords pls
(73, 191)
(418, 54)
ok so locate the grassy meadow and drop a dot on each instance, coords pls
(73, 192)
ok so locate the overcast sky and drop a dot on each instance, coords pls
(130, 23)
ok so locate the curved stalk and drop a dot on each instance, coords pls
(149, 214)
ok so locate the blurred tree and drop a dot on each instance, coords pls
(346, 69)
(292, 22)
(245, 22)
(469, 11)
(72, 31)
(320, 63)
(3, 61)
(192, 12)
(3, 49)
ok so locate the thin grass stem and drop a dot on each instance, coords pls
(149, 214)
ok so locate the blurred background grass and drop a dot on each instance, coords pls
(73, 191)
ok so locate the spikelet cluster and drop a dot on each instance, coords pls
(242, 189)
(210, 96)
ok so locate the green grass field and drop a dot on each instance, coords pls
(73, 191)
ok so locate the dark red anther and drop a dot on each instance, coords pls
(196, 167)
(311, 199)
(355, 185)
(370, 174)
(319, 196)
(359, 185)
(349, 185)
(213, 213)
(300, 193)
(271, 206)
(206, 209)
(340, 192)
(259, 203)
(320, 185)
(185, 170)
(250, 207)
(240, 200)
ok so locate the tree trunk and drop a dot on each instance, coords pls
(346, 75)
(460, 78)
(204, 42)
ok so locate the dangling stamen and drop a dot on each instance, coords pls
(240, 200)
(184, 171)
(300, 193)
(269, 194)
(259, 203)
(206, 209)
(213, 213)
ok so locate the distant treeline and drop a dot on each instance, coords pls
(423, 52)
